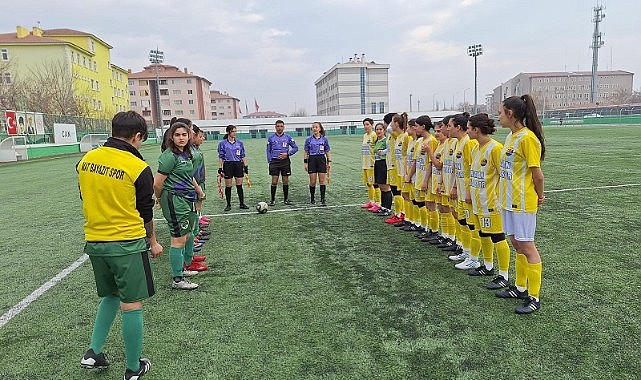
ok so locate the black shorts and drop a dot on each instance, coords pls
(380, 172)
(317, 164)
(233, 169)
(280, 167)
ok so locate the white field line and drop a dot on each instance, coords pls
(593, 188)
(6, 317)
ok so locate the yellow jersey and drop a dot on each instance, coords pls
(462, 164)
(484, 178)
(521, 152)
(448, 166)
(367, 150)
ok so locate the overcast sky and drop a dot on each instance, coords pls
(273, 51)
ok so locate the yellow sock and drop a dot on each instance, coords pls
(377, 195)
(454, 227)
(425, 217)
(398, 205)
(445, 223)
(409, 210)
(520, 269)
(488, 251)
(466, 236)
(433, 219)
(475, 243)
(371, 194)
(416, 211)
(534, 279)
(503, 257)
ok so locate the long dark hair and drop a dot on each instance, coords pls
(460, 120)
(524, 111)
(165, 136)
(483, 122)
(170, 141)
(322, 130)
(401, 119)
(229, 128)
(424, 121)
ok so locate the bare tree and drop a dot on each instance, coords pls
(299, 112)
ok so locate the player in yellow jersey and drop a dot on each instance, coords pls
(402, 211)
(463, 159)
(448, 179)
(521, 192)
(389, 162)
(437, 220)
(425, 143)
(484, 189)
(367, 159)
(409, 205)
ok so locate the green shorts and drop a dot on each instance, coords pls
(122, 269)
(179, 213)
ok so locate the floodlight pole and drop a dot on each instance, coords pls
(475, 51)
(156, 57)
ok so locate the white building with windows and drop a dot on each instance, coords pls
(182, 94)
(356, 87)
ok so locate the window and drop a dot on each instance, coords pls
(178, 102)
(145, 103)
(132, 93)
(163, 82)
(144, 93)
(176, 92)
(92, 46)
(7, 78)
(84, 61)
(190, 92)
(133, 104)
(146, 113)
(373, 107)
(142, 83)
(5, 54)
(167, 113)
(175, 81)
(131, 82)
(191, 101)
(381, 107)
(179, 112)
(192, 112)
(188, 81)
(73, 57)
(164, 91)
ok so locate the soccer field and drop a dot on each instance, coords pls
(306, 292)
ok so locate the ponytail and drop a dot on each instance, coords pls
(524, 111)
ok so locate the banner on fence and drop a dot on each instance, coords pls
(12, 123)
(64, 133)
(40, 124)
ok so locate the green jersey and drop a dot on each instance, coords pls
(199, 164)
(380, 145)
(179, 170)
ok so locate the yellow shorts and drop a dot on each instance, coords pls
(368, 176)
(419, 195)
(436, 198)
(392, 178)
(445, 200)
(464, 210)
(407, 187)
(489, 224)
(429, 197)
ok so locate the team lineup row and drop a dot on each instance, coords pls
(463, 191)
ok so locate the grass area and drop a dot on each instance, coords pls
(333, 293)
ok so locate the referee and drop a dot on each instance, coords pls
(280, 146)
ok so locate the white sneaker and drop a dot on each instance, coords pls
(183, 285)
(469, 263)
(189, 273)
(458, 257)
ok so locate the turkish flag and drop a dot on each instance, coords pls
(256, 105)
(12, 124)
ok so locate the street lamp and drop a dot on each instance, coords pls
(475, 51)
(157, 57)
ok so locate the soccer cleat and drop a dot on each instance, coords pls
(145, 366)
(512, 292)
(205, 219)
(183, 285)
(323, 204)
(374, 208)
(481, 271)
(198, 248)
(392, 219)
(243, 206)
(384, 212)
(468, 263)
(435, 240)
(189, 273)
(201, 238)
(529, 306)
(288, 202)
(199, 258)
(272, 203)
(458, 256)
(204, 232)
(312, 201)
(91, 360)
(499, 282)
(228, 208)
(368, 204)
(196, 266)
(400, 223)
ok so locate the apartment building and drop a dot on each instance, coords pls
(179, 93)
(355, 87)
(557, 90)
(224, 106)
(84, 57)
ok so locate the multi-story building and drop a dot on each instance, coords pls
(181, 94)
(80, 56)
(224, 106)
(555, 90)
(355, 87)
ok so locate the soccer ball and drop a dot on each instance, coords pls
(261, 207)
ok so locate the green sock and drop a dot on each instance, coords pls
(132, 334)
(189, 250)
(176, 257)
(104, 318)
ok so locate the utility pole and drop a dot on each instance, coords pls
(597, 42)
(475, 51)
